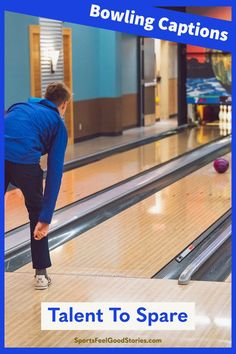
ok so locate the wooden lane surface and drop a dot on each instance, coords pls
(104, 143)
(142, 239)
(86, 180)
(22, 310)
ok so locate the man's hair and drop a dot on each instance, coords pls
(58, 93)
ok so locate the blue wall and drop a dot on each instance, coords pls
(129, 64)
(110, 64)
(104, 62)
(85, 46)
(17, 65)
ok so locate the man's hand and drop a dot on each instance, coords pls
(41, 230)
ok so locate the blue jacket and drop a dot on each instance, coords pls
(34, 129)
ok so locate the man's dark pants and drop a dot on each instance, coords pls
(29, 179)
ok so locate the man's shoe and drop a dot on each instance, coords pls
(41, 282)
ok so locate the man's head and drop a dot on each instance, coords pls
(59, 94)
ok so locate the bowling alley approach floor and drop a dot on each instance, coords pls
(87, 180)
(22, 311)
(116, 260)
(142, 239)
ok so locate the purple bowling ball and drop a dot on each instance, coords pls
(221, 165)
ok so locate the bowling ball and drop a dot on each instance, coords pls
(221, 165)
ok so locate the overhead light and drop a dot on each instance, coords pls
(54, 56)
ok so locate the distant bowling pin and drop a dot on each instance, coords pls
(229, 118)
(225, 114)
(221, 114)
(224, 127)
(221, 120)
(229, 115)
(229, 128)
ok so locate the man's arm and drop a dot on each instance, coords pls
(53, 180)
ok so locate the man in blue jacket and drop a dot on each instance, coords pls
(34, 129)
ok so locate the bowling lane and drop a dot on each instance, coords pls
(103, 144)
(89, 179)
(213, 310)
(142, 239)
